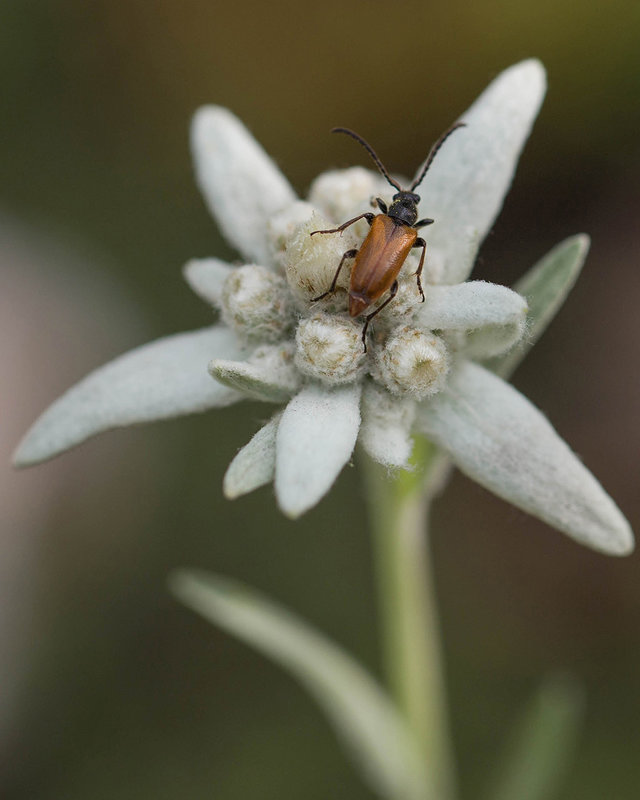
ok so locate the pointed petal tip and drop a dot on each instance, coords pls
(499, 439)
(531, 68)
(38, 445)
(209, 121)
(254, 464)
(623, 544)
(190, 268)
(210, 114)
(206, 277)
(24, 456)
(527, 80)
(290, 505)
(315, 440)
(242, 187)
(214, 124)
(472, 175)
(229, 493)
(292, 513)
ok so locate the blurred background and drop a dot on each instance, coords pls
(108, 688)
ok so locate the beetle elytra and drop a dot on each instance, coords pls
(392, 235)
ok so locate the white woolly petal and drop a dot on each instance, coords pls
(492, 316)
(256, 303)
(315, 440)
(166, 378)
(206, 276)
(255, 464)
(386, 426)
(242, 186)
(465, 187)
(498, 438)
(269, 374)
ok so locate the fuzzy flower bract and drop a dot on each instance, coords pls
(426, 370)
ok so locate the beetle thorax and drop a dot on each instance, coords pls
(404, 207)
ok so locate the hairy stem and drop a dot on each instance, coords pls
(399, 508)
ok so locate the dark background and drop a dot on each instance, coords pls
(108, 688)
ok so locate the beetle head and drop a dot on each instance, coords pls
(404, 207)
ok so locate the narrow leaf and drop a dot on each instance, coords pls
(539, 752)
(358, 708)
(545, 287)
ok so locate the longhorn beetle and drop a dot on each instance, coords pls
(392, 234)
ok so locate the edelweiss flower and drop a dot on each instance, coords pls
(275, 343)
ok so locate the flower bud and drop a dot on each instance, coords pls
(404, 305)
(282, 226)
(255, 303)
(311, 261)
(329, 348)
(344, 193)
(412, 362)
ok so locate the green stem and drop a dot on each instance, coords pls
(399, 507)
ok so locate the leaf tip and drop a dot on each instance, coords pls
(179, 582)
(582, 243)
(188, 585)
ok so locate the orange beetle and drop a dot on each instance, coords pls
(393, 234)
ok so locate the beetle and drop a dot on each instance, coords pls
(392, 235)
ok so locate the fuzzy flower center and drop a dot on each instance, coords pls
(412, 362)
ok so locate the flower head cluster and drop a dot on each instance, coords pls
(276, 342)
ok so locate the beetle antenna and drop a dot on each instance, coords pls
(433, 151)
(371, 152)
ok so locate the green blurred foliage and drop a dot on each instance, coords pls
(127, 695)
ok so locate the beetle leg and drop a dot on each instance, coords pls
(424, 222)
(420, 242)
(367, 215)
(392, 293)
(381, 205)
(332, 288)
